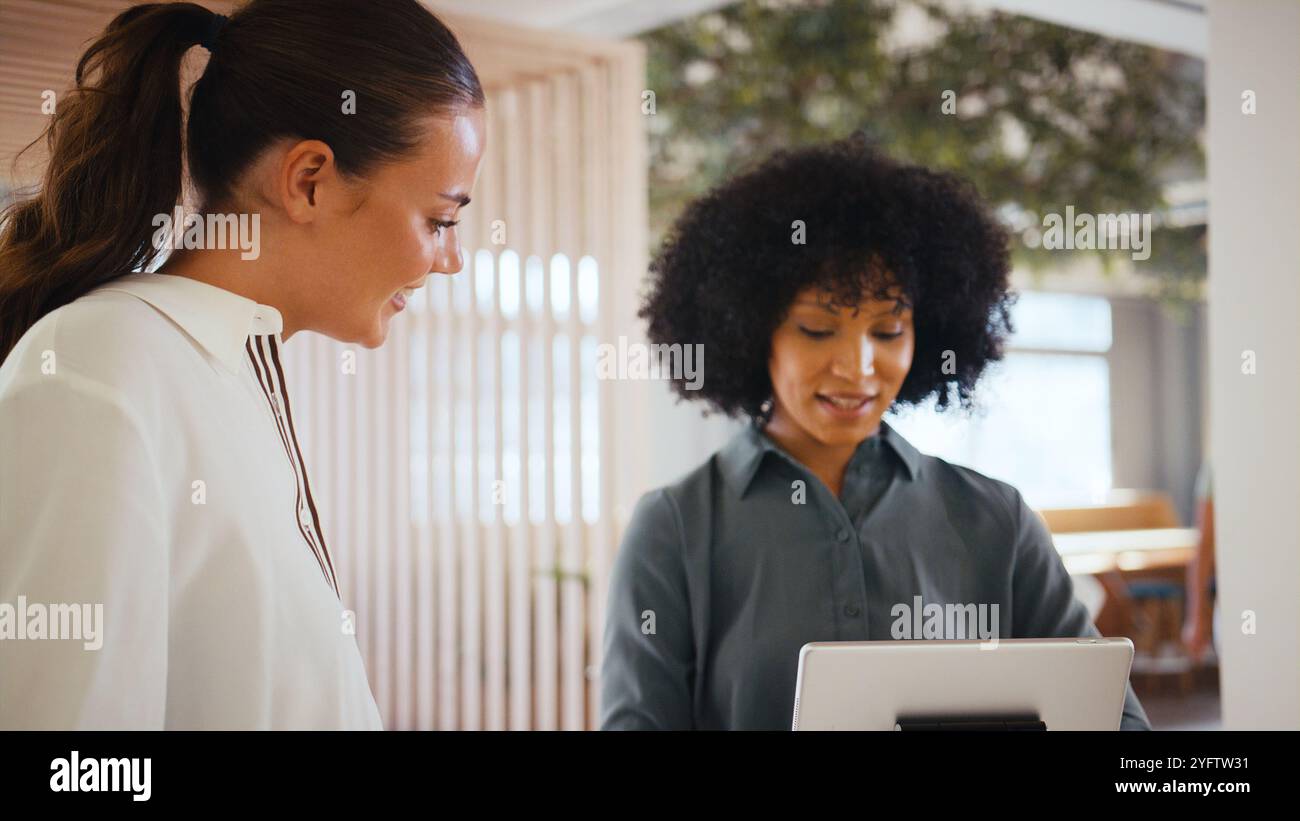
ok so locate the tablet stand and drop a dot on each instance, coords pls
(1019, 723)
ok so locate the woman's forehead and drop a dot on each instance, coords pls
(891, 298)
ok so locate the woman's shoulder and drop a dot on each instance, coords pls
(978, 495)
(103, 342)
(967, 478)
(727, 466)
(688, 499)
(667, 501)
(102, 321)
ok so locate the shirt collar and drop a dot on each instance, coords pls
(910, 456)
(220, 321)
(741, 458)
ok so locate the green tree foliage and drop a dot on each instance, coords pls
(1042, 116)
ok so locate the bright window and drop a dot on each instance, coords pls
(1043, 416)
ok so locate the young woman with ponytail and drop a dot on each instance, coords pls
(151, 481)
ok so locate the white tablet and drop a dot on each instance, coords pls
(1064, 684)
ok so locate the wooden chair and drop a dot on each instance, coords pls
(1149, 608)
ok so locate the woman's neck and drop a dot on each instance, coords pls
(255, 279)
(826, 462)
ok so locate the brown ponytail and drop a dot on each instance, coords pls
(280, 68)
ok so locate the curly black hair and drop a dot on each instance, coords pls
(730, 267)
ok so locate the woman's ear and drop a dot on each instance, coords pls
(306, 172)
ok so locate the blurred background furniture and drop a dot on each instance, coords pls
(1134, 547)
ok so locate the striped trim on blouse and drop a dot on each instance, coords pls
(264, 354)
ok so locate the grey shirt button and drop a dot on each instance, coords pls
(851, 610)
(843, 535)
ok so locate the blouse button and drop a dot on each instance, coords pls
(843, 535)
(850, 610)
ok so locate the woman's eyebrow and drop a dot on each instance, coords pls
(898, 307)
(460, 198)
(825, 306)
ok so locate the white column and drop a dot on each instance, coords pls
(1254, 305)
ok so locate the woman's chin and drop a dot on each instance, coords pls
(839, 434)
(370, 337)
(377, 337)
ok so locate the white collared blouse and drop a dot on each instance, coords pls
(149, 463)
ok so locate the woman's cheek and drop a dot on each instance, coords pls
(902, 363)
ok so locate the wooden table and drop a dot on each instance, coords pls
(1099, 552)
(1109, 555)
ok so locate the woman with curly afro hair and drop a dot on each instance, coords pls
(825, 286)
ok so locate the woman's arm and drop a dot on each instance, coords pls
(1044, 605)
(82, 524)
(649, 665)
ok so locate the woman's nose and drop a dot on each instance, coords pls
(448, 258)
(855, 360)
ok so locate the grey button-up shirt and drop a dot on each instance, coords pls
(725, 575)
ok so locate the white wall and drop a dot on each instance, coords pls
(1254, 303)
(1156, 385)
(692, 439)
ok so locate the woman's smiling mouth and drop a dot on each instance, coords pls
(399, 299)
(846, 405)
